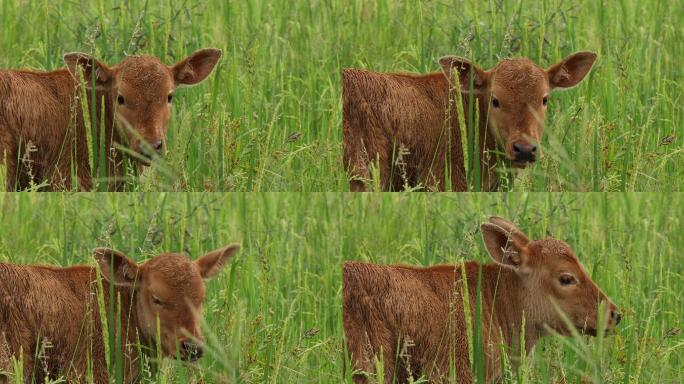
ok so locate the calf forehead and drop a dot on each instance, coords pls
(175, 275)
(145, 74)
(553, 252)
(521, 79)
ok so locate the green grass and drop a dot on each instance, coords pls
(274, 316)
(270, 118)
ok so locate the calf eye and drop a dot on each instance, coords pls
(567, 280)
(495, 102)
(169, 98)
(545, 100)
(120, 100)
(156, 301)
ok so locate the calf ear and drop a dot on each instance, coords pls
(212, 263)
(196, 67)
(503, 223)
(463, 68)
(571, 70)
(116, 267)
(507, 246)
(80, 62)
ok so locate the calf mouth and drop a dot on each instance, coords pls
(143, 152)
(144, 157)
(137, 155)
(594, 332)
(515, 163)
(182, 355)
(190, 358)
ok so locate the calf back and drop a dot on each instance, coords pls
(53, 314)
(41, 129)
(388, 114)
(414, 319)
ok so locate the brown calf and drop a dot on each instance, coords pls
(415, 319)
(53, 313)
(42, 132)
(408, 124)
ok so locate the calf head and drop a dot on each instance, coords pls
(517, 93)
(555, 286)
(141, 90)
(169, 293)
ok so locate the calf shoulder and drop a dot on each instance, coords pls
(42, 130)
(410, 109)
(385, 114)
(417, 310)
(54, 310)
(36, 106)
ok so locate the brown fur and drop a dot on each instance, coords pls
(415, 318)
(408, 124)
(42, 132)
(56, 309)
(35, 112)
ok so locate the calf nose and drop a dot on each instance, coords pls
(157, 145)
(524, 152)
(191, 351)
(616, 316)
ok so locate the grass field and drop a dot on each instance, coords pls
(270, 119)
(274, 316)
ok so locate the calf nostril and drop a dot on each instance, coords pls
(192, 350)
(516, 147)
(534, 148)
(187, 346)
(616, 317)
(157, 145)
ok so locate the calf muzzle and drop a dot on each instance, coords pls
(616, 317)
(191, 351)
(524, 153)
(157, 145)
